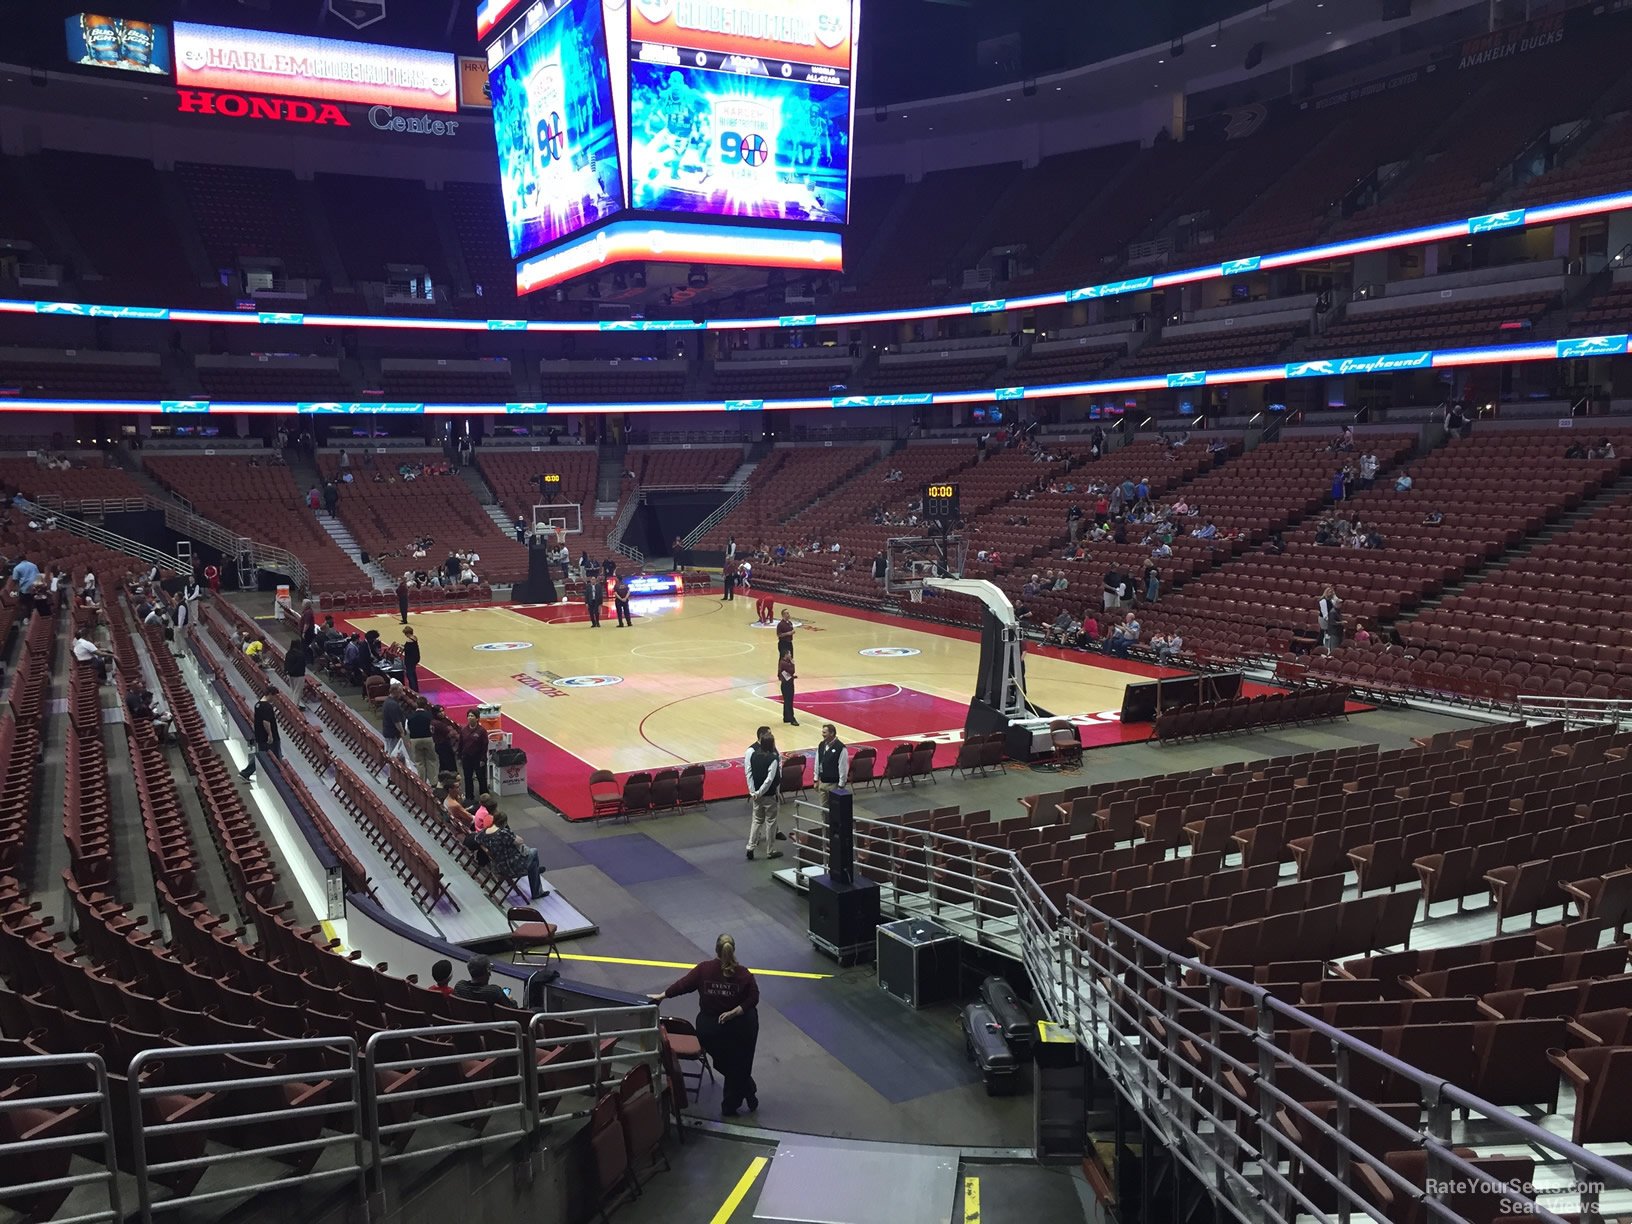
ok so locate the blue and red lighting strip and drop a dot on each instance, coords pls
(1331, 367)
(1516, 218)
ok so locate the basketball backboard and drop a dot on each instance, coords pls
(911, 559)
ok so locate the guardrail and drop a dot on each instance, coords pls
(689, 540)
(59, 520)
(1576, 711)
(287, 1115)
(621, 525)
(1203, 1057)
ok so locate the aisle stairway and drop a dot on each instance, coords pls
(340, 535)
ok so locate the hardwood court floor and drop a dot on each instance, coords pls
(694, 676)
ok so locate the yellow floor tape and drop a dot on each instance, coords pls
(740, 1192)
(971, 1200)
(657, 964)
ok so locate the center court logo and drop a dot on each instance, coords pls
(589, 681)
(491, 647)
(887, 652)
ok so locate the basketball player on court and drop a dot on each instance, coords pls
(784, 634)
(832, 763)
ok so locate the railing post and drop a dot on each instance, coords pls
(1340, 1075)
(138, 1139)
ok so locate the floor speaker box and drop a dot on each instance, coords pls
(843, 917)
(918, 962)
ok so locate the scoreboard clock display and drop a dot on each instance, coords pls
(941, 501)
(551, 479)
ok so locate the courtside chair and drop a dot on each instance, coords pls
(640, 1111)
(863, 768)
(794, 765)
(666, 790)
(528, 933)
(637, 794)
(1067, 744)
(605, 799)
(690, 792)
(680, 1039)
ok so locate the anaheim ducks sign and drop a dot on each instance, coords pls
(253, 106)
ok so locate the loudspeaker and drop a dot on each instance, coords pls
(841, 836)
(843, 917)
(1255, 55)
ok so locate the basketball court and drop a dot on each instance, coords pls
(695, 675)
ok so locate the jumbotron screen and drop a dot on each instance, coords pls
(731, 113)
(551, 84)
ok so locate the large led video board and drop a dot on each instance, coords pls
(553, 121)
(742, 108)
(671, 111)
(294, 65)
(127, 44)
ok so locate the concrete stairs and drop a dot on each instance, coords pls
(740, 477)
(501, 520)
(338, 532)
(473, 479)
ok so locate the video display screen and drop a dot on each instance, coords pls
(554, 123)
(735, 144)
(122, 43)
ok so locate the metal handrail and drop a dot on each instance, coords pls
(1576, 711)
(81, 1139)
(638, 1021)
(338, 1058)
(57, 520)
(689, 540)
(188, 522)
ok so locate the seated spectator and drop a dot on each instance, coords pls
(511, 857)
(1432, 519)
(1061, 582)
(1403, 484)
(447, 793)
(1575, 451)
(1060, 631)
(1031, 588)
(1604, 450)
(1087, 635)
(1362, 635)
(1206, 531)
(477, 984)
(1124, 637)
(441, 975)
(87, 652)
(139, 704)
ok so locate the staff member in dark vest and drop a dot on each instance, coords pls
(402, 600)
(730, 581)
(784, 633)
(620, 601)
(785, 676)
(762, 767)
(594, 596)
(727, 1021)
(832, 762)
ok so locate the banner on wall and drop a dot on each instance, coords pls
(473, 90)
(1514, 40)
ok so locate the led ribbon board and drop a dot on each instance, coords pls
(1328, 367)
(1514, 219)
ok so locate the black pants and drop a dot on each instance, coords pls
(594, 615)
(624, 618)
(447, 761)
(475, 772)
(787, 701)
(410, 672)
(731, 587)
(402, 607)
(731, 1047)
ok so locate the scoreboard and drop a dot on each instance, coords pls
(730, 121)
(941, 501)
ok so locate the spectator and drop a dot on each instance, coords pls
(1368, 469)
(1330, 618)
(479, 969)
(1030, 589)
(1207, 531)
(1061, 582)
(1362, 635)
(139, 704)
(1124, 638)
(392, 717)
(1604, 450)
(24, 572)
(511, 857)
(446, 734)
(1153, 583)
(294, 672)
(1432, 519)
(1060, 631)
(263, 731)
(420, 726)
(1340, 484)
(1575, 450)
(1167, 647)
(441, 975)
(1403, 484)
(1088, 631)
(473, 751)
(87, 652)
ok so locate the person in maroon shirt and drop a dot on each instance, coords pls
(727, 1020)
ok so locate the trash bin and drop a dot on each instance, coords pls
(507, 771)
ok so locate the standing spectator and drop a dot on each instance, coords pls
(410, 658)
(263, 735)
(731, 549)
(24, 573)
(620, 603)
(446, 734)
(402, 598)
(1153, 583)
(473, 752)
(182, 614)
(1368, 470)
(344, 462)
(331, 498)
(308, 622)
(422, 740)
(594, 595)
(785, 677)
(1330, 615)
(294, 671)
(391, 718)
(520, 528)
(1073, 521)
(1340, 484)
(762, 768)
